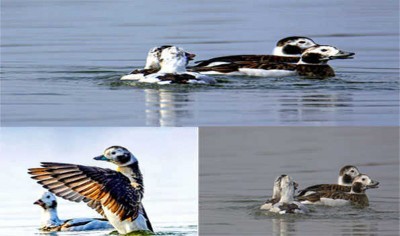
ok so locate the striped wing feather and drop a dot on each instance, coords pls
(93, 185)
(325, 187)
(252, 58)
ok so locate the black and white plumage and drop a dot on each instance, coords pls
(312, 64)
(356, 196)
(117, 195)
(346, 176)
(286, 203)
(287, 50)
(276, 193)
(173, 61)
(153, 63)
(51, 222)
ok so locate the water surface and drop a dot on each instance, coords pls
(61, 63)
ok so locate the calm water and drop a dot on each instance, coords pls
(171, 199)
(61, 62)
(238, 167)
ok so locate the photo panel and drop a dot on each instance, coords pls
(239, 167)
(166, 159)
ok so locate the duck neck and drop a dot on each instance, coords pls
(287, 195)
(134, 174)
(50, 217)
(173, 66)
(357, 188)
(345, 180)
(312, 58)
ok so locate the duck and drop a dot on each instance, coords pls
(173, 61)
(356, 196)
(287, 204)
(152, 63)
(312, 64)
(276, 193)
(346, 176)
(51, 222)
(288, 49)
(116, 195)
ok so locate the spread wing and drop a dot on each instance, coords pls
(93, 185)
(253, 58)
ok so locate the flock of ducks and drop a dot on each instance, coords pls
(350, 189)
(296, 55)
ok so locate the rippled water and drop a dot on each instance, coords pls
(61, 63)
(239, 165)
(171, 197)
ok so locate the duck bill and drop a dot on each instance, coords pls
(39, 202)
(190, 56)
(296, 185)
(373, 184)
(342, 55)
(101, 158)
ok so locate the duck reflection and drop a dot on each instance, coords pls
(166, 107)
(314, 107)
(283, 227)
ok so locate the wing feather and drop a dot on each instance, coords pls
(93, 185)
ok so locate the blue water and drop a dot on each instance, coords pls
(61, 62)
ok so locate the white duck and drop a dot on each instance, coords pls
(51, 222)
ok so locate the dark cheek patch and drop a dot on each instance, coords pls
(124, 158)
(311, 58)
(292, 50)
(347, 179)
(53, 204)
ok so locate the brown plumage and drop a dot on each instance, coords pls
(92, 185)
(252, 58)
(325, 187)
(145, 71)
(306, 70)
(357, 199)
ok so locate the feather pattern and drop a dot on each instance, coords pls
(93, 185)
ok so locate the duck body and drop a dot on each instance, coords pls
(311, 64)
(117, 195)
(153, 62)
(285, 193)
(345, 179)
(173, 61)
(333, 197)
(51, 222)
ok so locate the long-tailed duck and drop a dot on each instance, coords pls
(287, 49)
(117, 195)
(312, 64)
(173, 61)
(356, 196)
(276, 193)
(153, 63)
(286, 203)
(51, 222)
(345, 180)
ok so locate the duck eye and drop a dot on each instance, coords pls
(363, 179)
(113, 153)
(302, 42)
(352, 171)
(48, 197)
(324, 50)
